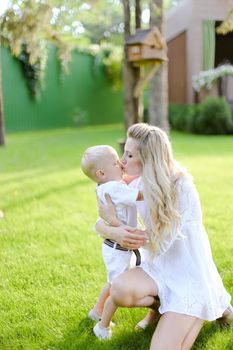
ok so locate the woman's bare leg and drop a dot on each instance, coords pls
(134, 288)
(171, 331)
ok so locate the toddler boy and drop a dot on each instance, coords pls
(102, 165)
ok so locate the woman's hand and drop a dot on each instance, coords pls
(129, 237)
(108, 212)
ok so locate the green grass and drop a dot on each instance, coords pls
(51, 266)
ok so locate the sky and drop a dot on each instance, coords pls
(3, 6)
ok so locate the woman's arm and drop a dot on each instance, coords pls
(128, 237)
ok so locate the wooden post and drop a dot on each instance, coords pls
(146, 78)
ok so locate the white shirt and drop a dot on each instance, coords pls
(124, 197)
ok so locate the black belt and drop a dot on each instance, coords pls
(117, 246)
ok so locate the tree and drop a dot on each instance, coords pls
(158, 94)
(133, 112)
(133, 79)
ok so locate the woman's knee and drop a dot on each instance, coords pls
(122, 294)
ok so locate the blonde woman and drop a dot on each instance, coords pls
(178, 265)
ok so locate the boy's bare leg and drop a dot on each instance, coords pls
(108, 312)
(104, 294)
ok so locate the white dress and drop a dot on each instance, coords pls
(183, 267)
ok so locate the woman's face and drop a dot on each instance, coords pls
(130, 159)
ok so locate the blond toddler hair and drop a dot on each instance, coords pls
(92, 159)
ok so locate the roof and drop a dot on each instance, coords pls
(139, 36)
(146, 37)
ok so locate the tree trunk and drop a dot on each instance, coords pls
(2, 129)
(132, 105)
(138, 14)
(137, 72)
(158, 96)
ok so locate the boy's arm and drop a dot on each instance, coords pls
(108, 211)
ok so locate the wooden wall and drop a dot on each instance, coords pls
(177, 70)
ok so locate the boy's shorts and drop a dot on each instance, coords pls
(116, 261)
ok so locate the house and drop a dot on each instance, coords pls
(194, 45)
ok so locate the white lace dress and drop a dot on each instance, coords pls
(183, 268)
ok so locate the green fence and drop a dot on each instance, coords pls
(82, 96)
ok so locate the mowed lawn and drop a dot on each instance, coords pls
(51, 265)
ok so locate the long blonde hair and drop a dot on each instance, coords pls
(160, 176)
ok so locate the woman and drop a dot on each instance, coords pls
(178, 265)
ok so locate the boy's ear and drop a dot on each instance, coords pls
(99, 174)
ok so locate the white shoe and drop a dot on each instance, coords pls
(94, 316)
(112, 324)
(102, 332)
(143, 324)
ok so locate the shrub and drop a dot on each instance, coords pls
(213, 116)
(181, 116)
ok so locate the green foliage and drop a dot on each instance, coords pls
(181, 116)
(33, 73)
(26, 30)
(206, 79)
(211, 117)
(28, 26)
(111, 58)
(51, 266)
(227, 25)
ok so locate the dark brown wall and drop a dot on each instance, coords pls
(224, 48)
(177, 90)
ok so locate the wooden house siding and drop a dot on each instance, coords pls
(187, 17)
(177, 69)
